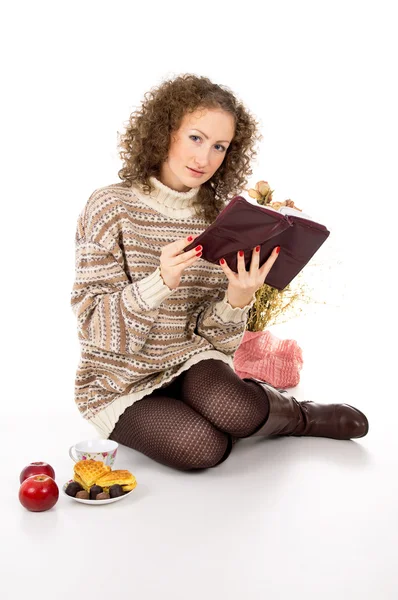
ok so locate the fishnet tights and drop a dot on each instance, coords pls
(193, 422)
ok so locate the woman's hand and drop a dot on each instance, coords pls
(244, 284)
(173, 261)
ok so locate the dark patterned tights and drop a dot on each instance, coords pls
(193, 422)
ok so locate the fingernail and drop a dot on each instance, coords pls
(257, 248)
(222, 261)
(278, 249)
(198, 248)
(190, 238)
(241, 253)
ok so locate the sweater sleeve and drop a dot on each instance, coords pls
(113, 313)
(222, 325)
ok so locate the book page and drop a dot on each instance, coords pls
(287, 210)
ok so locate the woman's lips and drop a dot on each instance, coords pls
(195, 173)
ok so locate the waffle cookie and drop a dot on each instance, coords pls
(87, 472)
(128, 488)
(78, 480)
(125, 488)
(121, 477)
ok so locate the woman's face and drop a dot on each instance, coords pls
(200, 143)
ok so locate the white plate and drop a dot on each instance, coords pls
(107, 501)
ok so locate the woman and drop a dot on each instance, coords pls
(159, 327)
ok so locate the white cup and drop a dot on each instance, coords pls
(104, 450)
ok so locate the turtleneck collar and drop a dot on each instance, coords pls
(166, 200)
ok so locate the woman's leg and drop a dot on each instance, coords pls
(193, 422)
(215, 391)
(234, 406)
(172, 433)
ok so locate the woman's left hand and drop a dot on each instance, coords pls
(244, 284)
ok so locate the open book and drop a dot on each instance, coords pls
(242, 225)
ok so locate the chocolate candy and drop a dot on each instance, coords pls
(94, 490)
(73, 488)
(115, 491)
(102, 496)
(83, 495)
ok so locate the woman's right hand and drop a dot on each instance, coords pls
(173, 260)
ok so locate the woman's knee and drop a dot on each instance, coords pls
(201, 450)
(215, 391)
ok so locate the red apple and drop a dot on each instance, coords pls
(37, 468)
(38, 492)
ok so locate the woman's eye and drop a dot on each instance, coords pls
(197, 136)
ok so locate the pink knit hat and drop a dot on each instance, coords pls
(264, 356)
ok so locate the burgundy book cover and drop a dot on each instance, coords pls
(242, 225)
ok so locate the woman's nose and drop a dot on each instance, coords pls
(202, 158)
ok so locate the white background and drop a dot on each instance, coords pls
(320, 77)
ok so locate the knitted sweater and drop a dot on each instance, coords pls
(135, 333)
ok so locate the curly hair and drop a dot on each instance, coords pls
(145, 144)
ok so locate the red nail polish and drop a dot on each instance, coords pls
(241, 253)
(190, 238)
(222, 261)
(257, 248)
(278, 249)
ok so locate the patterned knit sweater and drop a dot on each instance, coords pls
(135, 333)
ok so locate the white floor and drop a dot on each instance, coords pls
(285, 518)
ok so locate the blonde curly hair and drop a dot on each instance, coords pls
(145, 144)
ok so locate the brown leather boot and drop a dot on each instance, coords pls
(287, 416)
